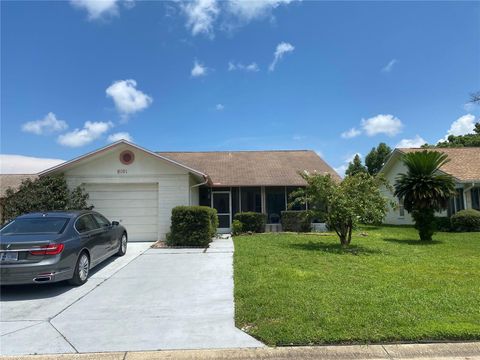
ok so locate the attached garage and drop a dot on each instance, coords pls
(133, 186)
(135, 206)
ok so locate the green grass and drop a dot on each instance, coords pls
(388, 286)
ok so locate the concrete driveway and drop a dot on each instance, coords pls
(150, 299)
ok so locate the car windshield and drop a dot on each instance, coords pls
(43, 225)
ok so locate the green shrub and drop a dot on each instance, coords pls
(297, 221)
(192, 226)
(442, 223)
(237, 227)
(45, 193)
(252, 221)
(466, 220)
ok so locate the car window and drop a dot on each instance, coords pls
(86, 223)
(40, 225)
(101, 220)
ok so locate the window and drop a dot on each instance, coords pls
(40, 225)
(456, 203)
(85, 223)
(101, 220)
(204, 194)
(401, 207)
(251, 199)
(476, 198)
(459, 204)
(235, 200)
(275, 203)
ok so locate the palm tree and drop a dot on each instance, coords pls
(424, 189)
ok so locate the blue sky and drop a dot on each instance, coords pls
(202, 75)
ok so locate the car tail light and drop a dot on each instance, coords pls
(51, 249)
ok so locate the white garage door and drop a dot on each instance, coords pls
(135, 206)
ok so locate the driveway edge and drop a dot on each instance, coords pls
(467, 350)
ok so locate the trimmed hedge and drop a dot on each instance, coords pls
(192, 226)
(252, 221)
(296, 221)
(466, 220)
(237, 227)
(442, 223)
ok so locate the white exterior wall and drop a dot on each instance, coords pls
(194, 192)
(393, 215)
(106, 168)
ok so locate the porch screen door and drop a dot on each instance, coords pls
(221, 202)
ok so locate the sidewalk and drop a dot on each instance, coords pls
(438, 351)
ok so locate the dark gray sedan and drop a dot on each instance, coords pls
(55, 246)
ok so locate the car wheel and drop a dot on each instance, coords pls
(123, 245)
(80, 275)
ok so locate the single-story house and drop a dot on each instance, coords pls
(139, 187)
(464, 167)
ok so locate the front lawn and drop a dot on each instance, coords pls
(388, 286)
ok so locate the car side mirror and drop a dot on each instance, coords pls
(115, 223)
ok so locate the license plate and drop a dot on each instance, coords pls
(8, 256)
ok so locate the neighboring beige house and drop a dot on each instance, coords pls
(464, 166)
(139, 187)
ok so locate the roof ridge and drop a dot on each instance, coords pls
(232, 151)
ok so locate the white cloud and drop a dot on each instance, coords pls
(97, 9)
(353, 132)
(299, 137)
(120, 136)
(282, 49)
(219, 107)
(198, 69)
(382, 124)
(90, 132)
(201, 15)
(48, 124)
(127, 98)
(252, 67)
(470, 106)
(19, 164)
(463, 125)
(416, 142)
(249, 10)
(389, 67)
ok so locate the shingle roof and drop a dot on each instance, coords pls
(13, 181)
(254, 168)
(464, 162)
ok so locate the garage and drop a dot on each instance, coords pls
(135, 206)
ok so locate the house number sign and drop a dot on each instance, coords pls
(122, 171)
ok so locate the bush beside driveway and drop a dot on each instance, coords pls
(387, 286)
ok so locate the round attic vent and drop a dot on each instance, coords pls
(127, 157)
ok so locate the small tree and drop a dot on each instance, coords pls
(355, 166)
(377, 157)
(424, 189)
(357, 199)
(45, 193)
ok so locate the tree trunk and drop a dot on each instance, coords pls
(350, 227)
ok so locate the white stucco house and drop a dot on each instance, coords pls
(463, 165)
(139, 187)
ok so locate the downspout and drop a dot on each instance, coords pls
(194, 186)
